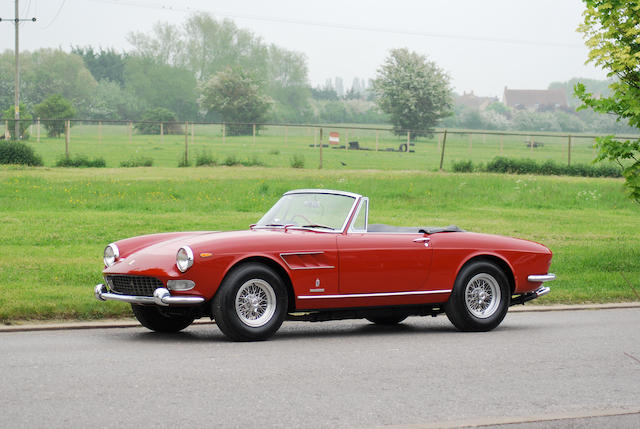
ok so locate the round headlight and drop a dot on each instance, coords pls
(184, 258)
(111, 255)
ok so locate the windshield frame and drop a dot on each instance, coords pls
(348, 218)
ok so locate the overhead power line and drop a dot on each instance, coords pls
(340, 26)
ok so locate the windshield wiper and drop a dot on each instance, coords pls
(318, 226)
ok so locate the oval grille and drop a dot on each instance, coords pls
(133, 285)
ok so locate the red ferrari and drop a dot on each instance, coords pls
(314, 256)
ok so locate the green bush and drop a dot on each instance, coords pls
(54, 107)
(205, 159)
(183, 162)
(296, 161)
(547, 168)
(252, 162)
(231, 160)
(137, 162)
(18, 153)
(462, 166)
(81, 161)
(25, 121)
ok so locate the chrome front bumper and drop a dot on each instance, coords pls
(161, 296)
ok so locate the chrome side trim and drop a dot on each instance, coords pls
(375, 295)
(161, 296)
(541, 278)
(320, 267)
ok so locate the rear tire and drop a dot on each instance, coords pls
(480, 297)
(251, 303)
(162, 319)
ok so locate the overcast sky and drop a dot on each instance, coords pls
(483, 45)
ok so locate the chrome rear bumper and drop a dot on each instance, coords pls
(541, 278)
(161, 296)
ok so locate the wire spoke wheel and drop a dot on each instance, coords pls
(482, 295)
(255, 303)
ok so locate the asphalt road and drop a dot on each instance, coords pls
(553, 369)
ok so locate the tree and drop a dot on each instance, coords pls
(25, 120)
(104, 64)
(157, 115)
(415, 92)
(237, 96)
(611, 32)
(55, 107)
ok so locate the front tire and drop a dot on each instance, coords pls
(163, 320)
(251, 303)
(480, 297)
(387, 318)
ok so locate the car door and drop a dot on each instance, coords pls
(381, 262)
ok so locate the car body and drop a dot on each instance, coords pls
(314, 256)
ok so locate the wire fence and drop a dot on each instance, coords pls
(291, 145)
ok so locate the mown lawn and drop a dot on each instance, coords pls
(56, 222)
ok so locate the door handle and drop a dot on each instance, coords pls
(424, 240)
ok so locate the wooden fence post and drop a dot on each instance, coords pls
(501, 143)
(130, 132)
(224, 132)
(377, 133)
(192, 132)
(38, 129)
(569, 152)
(186, 143)
(444, 142)
(254, 135)
(408, 139)
(67, 137)
(346, 140)
(320, 165)
(100, 132)
(161, 132)
(286, 135)
(7, 134)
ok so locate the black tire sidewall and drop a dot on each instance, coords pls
(151, 318)
(456, 308)
(224, 311)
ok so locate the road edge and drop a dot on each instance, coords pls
(60, 325)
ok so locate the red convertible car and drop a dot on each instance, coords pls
(314, 256)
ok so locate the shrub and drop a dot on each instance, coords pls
(528, 166)
(205, 159)
(296, 161)
(252, 162)
(274, 152)
(231, 160)
(137, 162)
(18, 153)
(183, 162)
(81, 161)
(462, 166)
(25, 120)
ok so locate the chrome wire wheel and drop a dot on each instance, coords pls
(255, 303)
(482, 295)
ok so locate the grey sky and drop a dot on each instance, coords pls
(484, 45)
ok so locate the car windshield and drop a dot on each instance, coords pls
(312, 210)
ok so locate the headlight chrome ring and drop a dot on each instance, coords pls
(111, 255)
(184, 258)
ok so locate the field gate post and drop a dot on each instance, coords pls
(67, 137)
(444, 142)
(38, 129)
(320, 165)
(254, 135)
(569, 151)
(377, 133)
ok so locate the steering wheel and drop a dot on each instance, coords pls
(306, 219)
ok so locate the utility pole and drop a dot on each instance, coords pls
(16, 99)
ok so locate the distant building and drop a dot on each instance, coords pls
(469, 99)
(534, 99)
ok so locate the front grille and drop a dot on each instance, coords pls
(133, 285)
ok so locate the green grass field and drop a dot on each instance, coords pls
(275, 146)
(56, 222)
